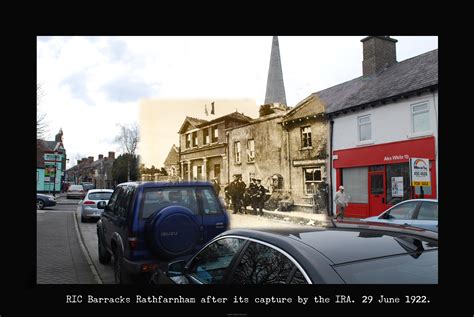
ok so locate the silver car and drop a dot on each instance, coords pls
(422, 213)
(88, 205)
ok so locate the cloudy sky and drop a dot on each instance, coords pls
(91, 84)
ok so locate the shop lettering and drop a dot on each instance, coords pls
(396, 157)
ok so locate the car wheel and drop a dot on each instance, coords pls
(39, 204)
(121, 277)
(104, 255)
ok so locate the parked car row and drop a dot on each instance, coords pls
(184, 224)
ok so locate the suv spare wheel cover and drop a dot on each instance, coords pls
(173, 231)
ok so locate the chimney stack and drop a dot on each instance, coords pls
(111, 155)
(91, 159)
(379, 52)
(100, 157)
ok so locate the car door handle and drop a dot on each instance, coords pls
(219, 225)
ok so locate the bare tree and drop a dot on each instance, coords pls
(128, 140)
(41, 124)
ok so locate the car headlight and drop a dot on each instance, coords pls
(51, 198)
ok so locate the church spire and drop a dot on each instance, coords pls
(275, 88)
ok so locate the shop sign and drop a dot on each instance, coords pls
(420, 171)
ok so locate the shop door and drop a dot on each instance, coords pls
(376, 193)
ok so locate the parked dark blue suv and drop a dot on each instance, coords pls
(148, 223)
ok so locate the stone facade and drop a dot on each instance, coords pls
(203, 146)
(307, 133)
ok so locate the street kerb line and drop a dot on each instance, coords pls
(86, 252)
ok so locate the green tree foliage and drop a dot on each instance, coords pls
(120, 167)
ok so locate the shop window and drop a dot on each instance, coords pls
(237, 152)
(355, 181)
(365, 128)
(306, 137)
(312, 176)
(398, 183)
(251, 150)
(420, 117)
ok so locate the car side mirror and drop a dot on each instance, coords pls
(101, 204)
(176, 268)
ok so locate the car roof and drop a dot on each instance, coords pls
(145, 184)
(342, 245)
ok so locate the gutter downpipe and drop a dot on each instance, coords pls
(331, 129)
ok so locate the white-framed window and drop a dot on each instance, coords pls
(312, 176)
(251, 150)
(205, 134)
(188, 140)
(195, 138)
(306, 137)
(365, 128)
(420, 117)
(237, 153)
(215, 134)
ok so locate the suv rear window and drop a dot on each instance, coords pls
(189, 197)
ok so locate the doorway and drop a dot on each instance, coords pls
(377, 202)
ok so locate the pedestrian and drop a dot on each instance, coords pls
(260, 193)
(341, 199)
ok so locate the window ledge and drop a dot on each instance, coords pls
(419, 134)
(306, 148)
(366, 142)
(240, 163)
(250, 162)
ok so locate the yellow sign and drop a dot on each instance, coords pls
(420, 183)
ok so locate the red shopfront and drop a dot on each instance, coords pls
(377, 177)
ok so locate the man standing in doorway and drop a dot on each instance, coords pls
(341, 199)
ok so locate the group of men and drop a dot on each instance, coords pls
(241, 195)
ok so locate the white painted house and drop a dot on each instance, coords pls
(378, 122)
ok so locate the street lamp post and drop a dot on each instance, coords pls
(55, 170)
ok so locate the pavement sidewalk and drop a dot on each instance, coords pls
(60, 257)
(301, 218)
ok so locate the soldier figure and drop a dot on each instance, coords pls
(250, 192)
(259, 197)
(236, 191)
(323, 189)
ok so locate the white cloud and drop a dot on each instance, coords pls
(94, 83)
